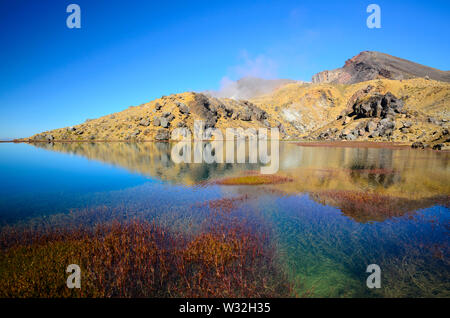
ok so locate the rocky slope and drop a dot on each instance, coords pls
(368, 66)
(414, 111)
(156, 119)
(407, 111)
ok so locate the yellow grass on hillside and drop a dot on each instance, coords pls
(299, 110)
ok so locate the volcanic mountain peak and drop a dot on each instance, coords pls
(370, 65)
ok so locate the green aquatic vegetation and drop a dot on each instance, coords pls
(328, 253)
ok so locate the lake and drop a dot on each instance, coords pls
(330, 212)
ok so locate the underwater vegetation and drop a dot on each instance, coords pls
(328, 253)
(225, 230)
(138, 258)
(254, 180)
(371, 206)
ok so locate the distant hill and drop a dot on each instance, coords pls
(249, 87)
(369, 65)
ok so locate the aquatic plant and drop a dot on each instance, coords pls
(226, 205)
(412, 251)
(367, 206)
(140, 259)
(251, 179)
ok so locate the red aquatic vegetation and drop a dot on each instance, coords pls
(365, 206)
(141, 259)
(254, 179)
(226, 205)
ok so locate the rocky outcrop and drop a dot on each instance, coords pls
(377, 106)
(163, 134)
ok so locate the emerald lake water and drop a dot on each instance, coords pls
(343, 208)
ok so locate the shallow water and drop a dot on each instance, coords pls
(344, 209)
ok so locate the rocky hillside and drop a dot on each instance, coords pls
(368, 66)
(156, 119)
(413, 111)
(409, 111)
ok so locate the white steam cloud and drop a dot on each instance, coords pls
(257, 77)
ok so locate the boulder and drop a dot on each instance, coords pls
(259, 114)
(405, 130)
(156, 121)
(183, 108)
(374, 134)
(165, 123)
(418, 145)
(377, 106)
(385, 127)
(438, 146)
(407, 124)
(145, 122)
(371, 126)
(245, 116)
(229, 112)
(163, 134)
(211, 122)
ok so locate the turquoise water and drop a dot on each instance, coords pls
(325, 225)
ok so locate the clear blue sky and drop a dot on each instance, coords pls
(130, 52)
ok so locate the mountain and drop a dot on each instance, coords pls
(410, 111)
(156, 119)
(369, 65)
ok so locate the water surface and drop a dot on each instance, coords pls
(344, 209)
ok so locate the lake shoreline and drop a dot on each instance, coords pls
(336, 143)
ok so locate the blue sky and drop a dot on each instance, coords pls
(130, 52)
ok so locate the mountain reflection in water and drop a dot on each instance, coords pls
(367, 184)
